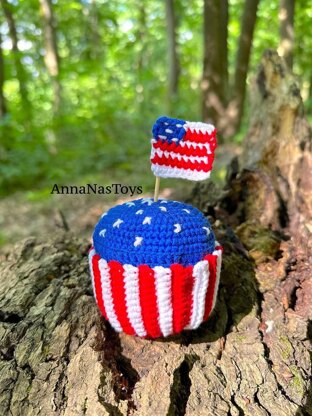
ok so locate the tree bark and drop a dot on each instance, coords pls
(51, 57)
(287, 34)
(20, 72)
(215, 75)
(224, 22)
(92, 37)
(252, 357)
(141, 61)
(3, 109)
(173, 57)
(235, 109)
(94, 26)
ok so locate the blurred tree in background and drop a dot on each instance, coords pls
(81, 82)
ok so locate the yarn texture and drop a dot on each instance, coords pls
(155, 267)
(182, 149)
(153, 233)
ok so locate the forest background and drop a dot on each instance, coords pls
(81, 82)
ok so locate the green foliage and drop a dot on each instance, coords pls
(113, 74)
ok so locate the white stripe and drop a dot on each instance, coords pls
(91, 254)
(169, 172)
(134, 312)
(218, 253)
(163, 293)
(199, 127)
(107, 295)
(173, 155)
(201, 280)
(189, 144)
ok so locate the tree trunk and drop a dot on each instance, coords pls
(286, 19)
(173, 57)
(92, 37)
(51, 57)
(224, 22)
(235, 109)
(215, 75)
(2, 78)
(94, 26)
(20, 73)
(253, 356)
(141, 61)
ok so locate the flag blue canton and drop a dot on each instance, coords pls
(169, 129)
(158, 233)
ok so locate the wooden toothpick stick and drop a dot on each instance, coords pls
(156, 191)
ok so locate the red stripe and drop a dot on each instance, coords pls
(212, 261)
(184, 151)
(182, 164)
(201, 138)
(97, 283)
(182, 286)
(119, 296)
(148, 301)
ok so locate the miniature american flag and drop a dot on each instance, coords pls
(182, 149)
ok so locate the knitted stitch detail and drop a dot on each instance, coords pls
(209, 304)
(119, 296)
(156, 301)
(168, 172)
(148, 300)
(182, 149)
(182, 285)
(107, 295)
(168, 128)
(163, 233)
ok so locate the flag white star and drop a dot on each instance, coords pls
(117, 223)
(138, 241)
(207, 230)
(177, 228)
(147, 201)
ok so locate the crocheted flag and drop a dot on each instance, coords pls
(182, 149)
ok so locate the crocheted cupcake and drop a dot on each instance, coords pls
(155, 267)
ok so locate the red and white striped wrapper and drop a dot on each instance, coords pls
(159, 301)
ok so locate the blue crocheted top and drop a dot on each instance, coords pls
(154, 233)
